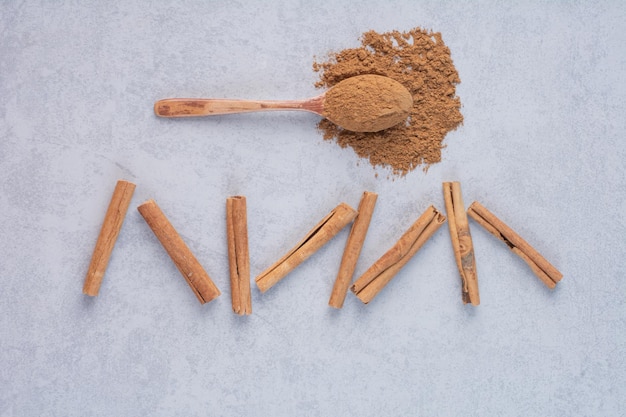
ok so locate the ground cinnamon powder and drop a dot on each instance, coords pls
(368, 103)
(420, 61)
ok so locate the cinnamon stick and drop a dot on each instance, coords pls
(385, 268)
(189, 267)
(238, 254)
(110, 230)
(352, 250)
(461, 242)
(317, 237)
(546, 272)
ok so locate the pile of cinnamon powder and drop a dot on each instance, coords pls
(420, 61)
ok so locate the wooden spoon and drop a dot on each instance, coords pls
(364, 103)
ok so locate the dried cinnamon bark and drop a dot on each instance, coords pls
(353, 248)
(323, 232)
(189, 267)
(238, 254)
(109, 232)
(461, 242)
(548, 274)
(385, 268)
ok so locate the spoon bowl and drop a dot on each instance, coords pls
(364, 103)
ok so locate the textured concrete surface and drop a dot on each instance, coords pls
(542, 146)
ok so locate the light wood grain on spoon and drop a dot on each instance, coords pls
(193, 107)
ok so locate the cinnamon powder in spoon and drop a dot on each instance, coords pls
(419, 60)
(367, 103)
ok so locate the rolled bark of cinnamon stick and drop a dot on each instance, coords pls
(461, 242)
(385, 268)
(352, 250)
(238, 254)
(546, 272)
(110, 230)
(189, 267)
(317, 237)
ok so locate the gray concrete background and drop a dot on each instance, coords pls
(542, 146)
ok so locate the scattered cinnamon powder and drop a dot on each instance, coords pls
(419, 60)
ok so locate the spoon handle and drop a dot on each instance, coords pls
(190, 107)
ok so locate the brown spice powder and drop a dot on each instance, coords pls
(367, 103)
(420, 61)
